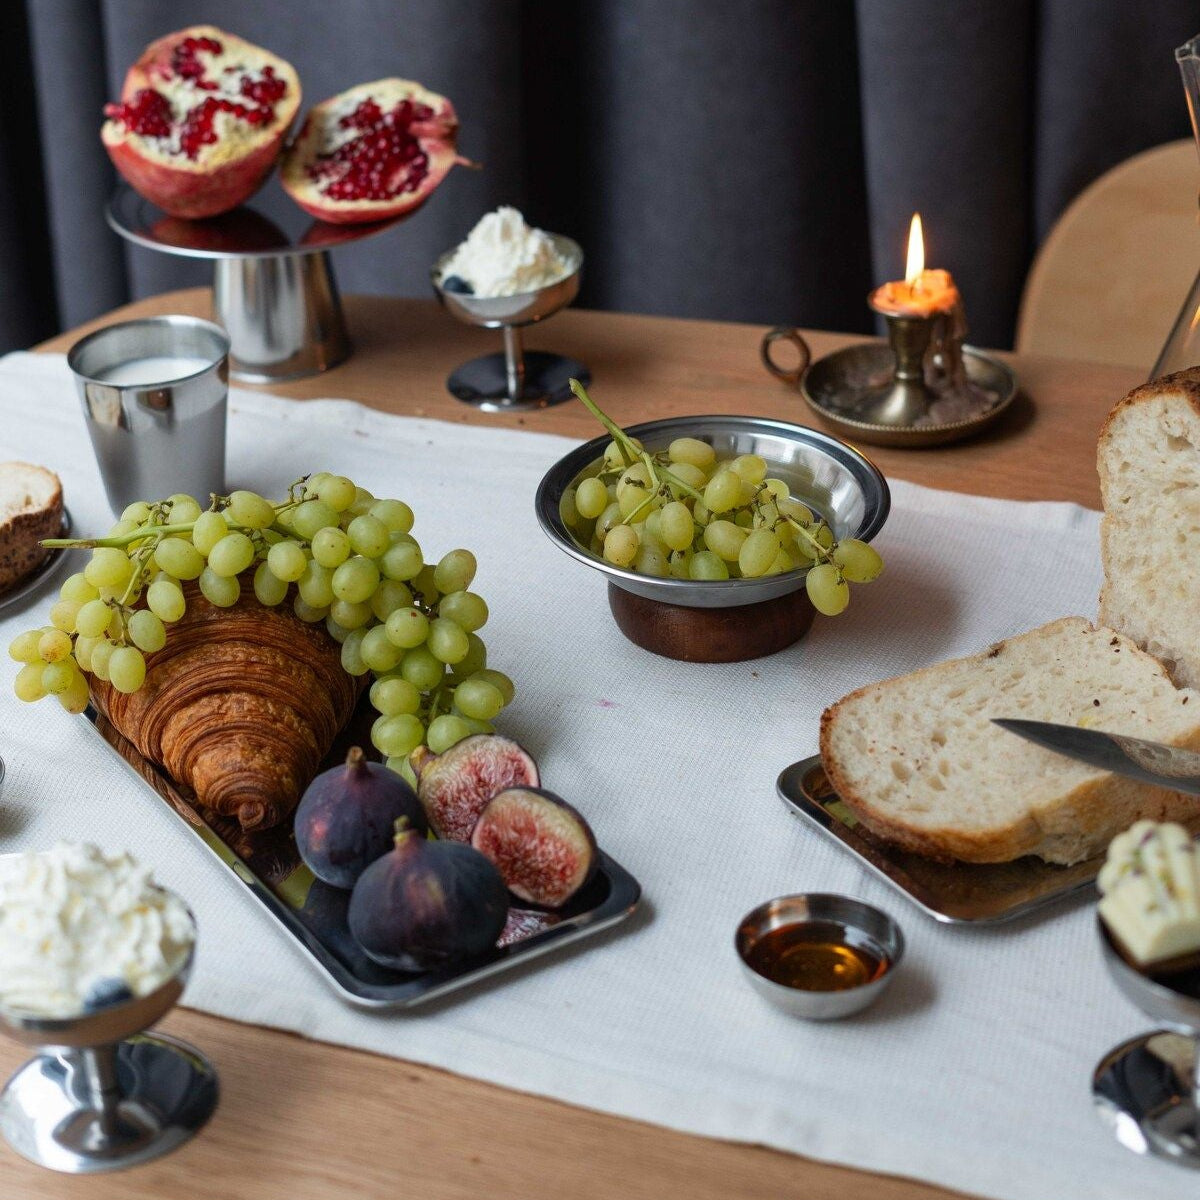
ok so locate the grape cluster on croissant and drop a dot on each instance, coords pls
(241, 705)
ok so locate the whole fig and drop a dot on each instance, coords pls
(427, 903)
(347, 817)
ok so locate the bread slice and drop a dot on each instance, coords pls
(31, 508)
(1149, 463)
(917, 759)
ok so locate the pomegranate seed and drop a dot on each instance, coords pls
(186, 63)
(147, 114)
(267, 91)
(384, 161)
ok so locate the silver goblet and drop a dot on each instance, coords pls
(515, 380)
(1147, 1090)
(102, 1093)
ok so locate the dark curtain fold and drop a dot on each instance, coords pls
(751, 160)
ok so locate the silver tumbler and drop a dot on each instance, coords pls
(154, 395)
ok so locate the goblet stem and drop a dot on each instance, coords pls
(514, 363)
(100, 1074)
(1196, 1086)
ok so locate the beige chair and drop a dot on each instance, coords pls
(1109, 280)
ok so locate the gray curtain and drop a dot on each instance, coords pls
(748, 160)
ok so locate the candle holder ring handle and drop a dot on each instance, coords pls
(785, 333)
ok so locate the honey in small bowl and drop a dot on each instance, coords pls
(816, 956)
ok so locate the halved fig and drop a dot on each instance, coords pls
(525, 923)
(544, 850)
(455, 787)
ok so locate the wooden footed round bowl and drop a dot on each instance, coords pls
(727, 620)
(712, 634)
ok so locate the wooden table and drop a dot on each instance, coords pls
(302, 1120)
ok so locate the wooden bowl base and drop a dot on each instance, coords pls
(712, 634)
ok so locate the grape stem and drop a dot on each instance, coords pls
(121, 541)
(629, 451)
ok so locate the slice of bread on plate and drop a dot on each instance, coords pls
(31, 508)
(918, 761)
(1149, 463)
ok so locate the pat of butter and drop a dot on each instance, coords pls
(1150, 886)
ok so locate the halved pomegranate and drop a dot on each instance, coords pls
(201, 120)
(371, 153)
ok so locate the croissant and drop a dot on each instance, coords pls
(241, 705)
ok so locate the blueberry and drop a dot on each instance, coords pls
(106, 992)
(456, 283)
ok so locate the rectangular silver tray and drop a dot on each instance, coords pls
(314, 914)
(954, 893)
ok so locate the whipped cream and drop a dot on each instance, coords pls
(503, 256)
(78, 927)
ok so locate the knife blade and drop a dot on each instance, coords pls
(1165, 766)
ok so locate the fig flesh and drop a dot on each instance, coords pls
(425, 904)
(455, 787)
(347, 818)
(525, 923)
(545, 851)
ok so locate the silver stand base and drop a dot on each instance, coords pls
(1143, 1091)
(487, 383)
(163, 1092)
(283, 316)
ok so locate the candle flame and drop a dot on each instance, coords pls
(916, 251)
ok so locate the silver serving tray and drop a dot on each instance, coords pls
(313, 914)
(25, 587)
(953, 893)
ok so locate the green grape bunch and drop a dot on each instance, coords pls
(684, 513)
(333, 551)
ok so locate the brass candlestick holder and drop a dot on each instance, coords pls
(923, 388)
(923, 346)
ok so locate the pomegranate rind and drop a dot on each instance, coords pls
(437, 137)
(455, 787)
(215, 181)
(543, 848)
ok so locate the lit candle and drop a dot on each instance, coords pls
(921, 292)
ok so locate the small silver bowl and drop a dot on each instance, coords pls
(526, 308)
(849, 939)
(103, 1094)
(1145, 1090)
(832, 478)
(514, 381)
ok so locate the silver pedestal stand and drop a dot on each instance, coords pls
(273, 285)
(103, 1094)
(516, 380)
(1147, 1090)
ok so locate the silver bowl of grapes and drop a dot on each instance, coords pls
(839, 486)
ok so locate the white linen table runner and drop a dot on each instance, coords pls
(973, 1072)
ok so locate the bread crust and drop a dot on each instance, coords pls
(1112, 609)
(1187, 382)
(21, 534)
(1081, 822)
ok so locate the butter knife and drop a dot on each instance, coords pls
(1151, 762)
